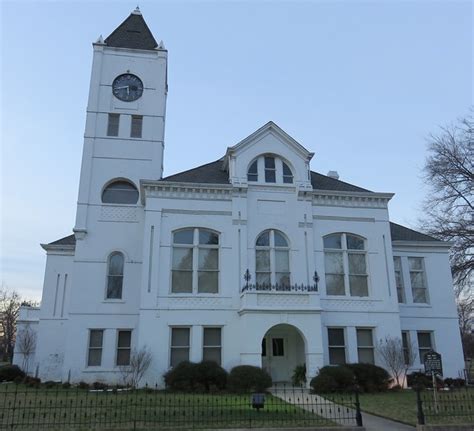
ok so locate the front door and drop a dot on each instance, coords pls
(274, 358)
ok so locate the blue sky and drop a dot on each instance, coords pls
(362, 84)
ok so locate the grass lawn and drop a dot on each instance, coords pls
(455, 407)
(57, 408)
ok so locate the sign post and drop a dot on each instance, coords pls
(434, 366)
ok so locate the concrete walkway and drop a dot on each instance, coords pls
(376, 423)
(342, 415)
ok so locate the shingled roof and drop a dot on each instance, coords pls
(132, 33)
(67, 240)
(402, 233)
(212, 173)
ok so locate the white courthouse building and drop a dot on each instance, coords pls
(250, 259)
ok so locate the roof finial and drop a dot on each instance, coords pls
(100, 40)
(137, 11)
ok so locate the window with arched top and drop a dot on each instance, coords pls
(270, 169)
(272, 259)
(345, 260)
(195, 262)
(115, 265)
(120, 192)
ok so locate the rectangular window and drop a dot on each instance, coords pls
(365, 346)
(418, 280)
(278, 347)
(337, 347)
(136, 127)
(208, 269)
(397, 265)
(334, 273)
(406, 346)
(96, 338)
(113, 125)
(425, 343)
(264, 347)
(182, 270)
(270, 170)
(179, 345)
(357, 274)
(211, 350)
(124, 342)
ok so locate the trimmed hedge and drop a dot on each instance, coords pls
(247, 378)
(333, 379)
(10, 373)
(198, 377)
(370, 378)
(340, 378)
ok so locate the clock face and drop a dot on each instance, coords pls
(127, 87)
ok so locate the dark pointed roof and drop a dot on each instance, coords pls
(67, 240)
(402, 233)
(132, 33)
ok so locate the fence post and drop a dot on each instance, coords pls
(357, 405)
(419, 407)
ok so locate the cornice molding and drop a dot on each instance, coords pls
(177, 190)
(351, 199)
(421, 244)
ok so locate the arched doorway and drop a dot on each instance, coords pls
(283, 348)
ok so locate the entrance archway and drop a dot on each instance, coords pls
(283, 348)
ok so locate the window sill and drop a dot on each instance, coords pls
(415, 304)
(100, 370)
(355, 298)
(113, 301)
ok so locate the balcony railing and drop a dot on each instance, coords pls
(280, 288)
(266, 287)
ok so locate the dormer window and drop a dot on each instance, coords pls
(271, 169)
(252, 174)
(287, 174)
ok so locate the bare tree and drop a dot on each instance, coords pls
(466, 320)
(396, 358)
(449, 208)
(10, 302)
(140, 361)
(26, 345)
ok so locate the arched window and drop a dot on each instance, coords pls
(272, 261)
(272, 169)
(195, 267)
(345, 262)
(120, 192)
(115, 275)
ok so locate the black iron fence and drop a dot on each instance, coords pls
(445, 407)
(57, 408)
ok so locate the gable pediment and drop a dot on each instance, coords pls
(270, 139)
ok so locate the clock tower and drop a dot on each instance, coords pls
(125, 123)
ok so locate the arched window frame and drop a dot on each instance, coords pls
(270, 169)
(355, 281)
(274, 275)
(114, 288)
(131, 191)
(195, 281)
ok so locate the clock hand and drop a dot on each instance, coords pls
(119, 88)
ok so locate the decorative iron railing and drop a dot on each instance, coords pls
(280, 288)
(266, 287)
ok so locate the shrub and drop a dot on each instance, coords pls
(299, 375)
(333, 379)
(182, 377)
(247, 378)
(50, 384)
(83, 385)
(33, 382)
(209, 375)
(370, 378)
(66, 385)
(454, 383)
(202, 376)
(419, 380)
(9, 373)
(99, 386)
